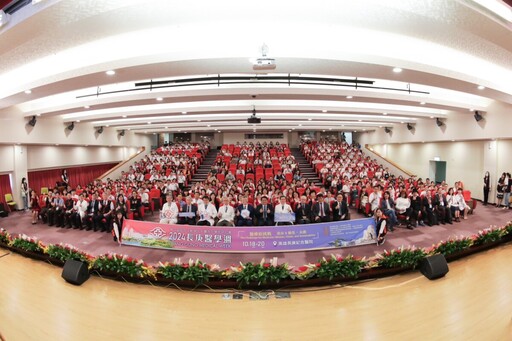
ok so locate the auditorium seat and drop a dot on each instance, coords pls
(10, 202)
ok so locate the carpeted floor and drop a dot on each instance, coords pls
(96, 243)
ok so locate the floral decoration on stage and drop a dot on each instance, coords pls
(333, 268)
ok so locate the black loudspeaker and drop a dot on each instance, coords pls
(75, 272)
(434, 266)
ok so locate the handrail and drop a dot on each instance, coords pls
(122, 163)
(409, 174)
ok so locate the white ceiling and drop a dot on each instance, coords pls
(60, 50)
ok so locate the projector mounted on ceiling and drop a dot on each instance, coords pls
(264, 62)
(253, 119)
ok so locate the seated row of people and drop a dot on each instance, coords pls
(204, 212)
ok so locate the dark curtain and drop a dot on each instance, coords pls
(77, 176)
(5, 187)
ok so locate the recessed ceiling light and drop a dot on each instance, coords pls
(86, 107)
(154, 133)
(422, 103)
(38, 115)
(159, 99)
(471, 110)
(107, 125)
(397, 70)
(342, 125)
(380, 126)
(323, 131)
(355, 131)
(184, 112)
(431, 116)
(481, 87)
(28, 92)
(129, 128)
(209, 125)
(179, 130)
(77, 121)
(166, 127)
(300, 125)
(402, 122)
(56, 144)
(185, 132)
(220, 131)
(349, 97)
(384, 113)
(110, 72)
(149, 122)
(309, 119)
(289, 130)
(360, 120)
(124, 116)
(453, 140)
(324, 110)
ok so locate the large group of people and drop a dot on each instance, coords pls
(231, 196)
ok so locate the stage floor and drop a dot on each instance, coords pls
(97, 243)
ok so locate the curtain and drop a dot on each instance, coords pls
(5, 187)
(77, 176)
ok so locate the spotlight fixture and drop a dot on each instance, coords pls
(478, 116)
(439, 122)
(71, 126)
(410, 126)
(121, 133)
(100, 130)
(387, 130)
(32, 121)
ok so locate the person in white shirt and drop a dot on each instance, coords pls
(402, 207)
(169, 213)
(374, 198)
(282, 208)
(80, 210)
(226, 213)
(207, 212)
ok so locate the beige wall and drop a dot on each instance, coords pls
(464, 160)
(7, 157)
(40, 157)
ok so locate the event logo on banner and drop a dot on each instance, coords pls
(250, 239)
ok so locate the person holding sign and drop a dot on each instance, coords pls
(188, 212)
(226, 214)
(282, 212)
(207, 212)
(169, 213)
(244, 213)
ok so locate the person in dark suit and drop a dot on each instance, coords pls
(136, 206)
(265, 213)
(339, 208)
(429, 210)
(94, 213)
(444, 214)
(303, 211)
(320, 211)
(242, 219)
(188, 207)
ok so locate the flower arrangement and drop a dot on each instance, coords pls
(339, 267)
(489, 235)
(403, 257)
(122, 265)
(4, 236)
(64, 252)
(262, 273)
(26, 243)
(195, 271)
(452, 246)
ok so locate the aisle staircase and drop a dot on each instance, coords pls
(305, 167)
(204, 169)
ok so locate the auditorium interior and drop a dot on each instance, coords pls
(150, 108)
